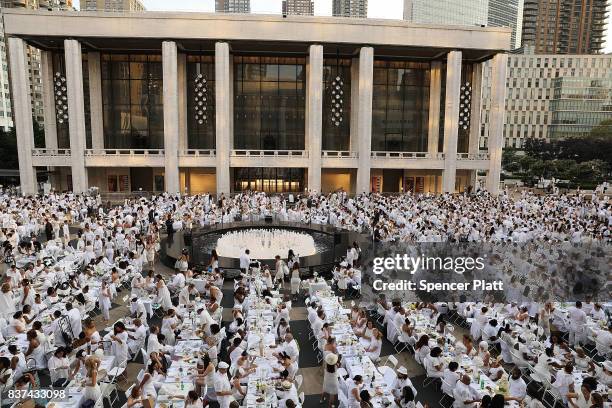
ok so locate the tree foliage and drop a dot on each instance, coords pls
(8, 145)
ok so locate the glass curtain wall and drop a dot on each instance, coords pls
(400, 106)
(132, 99)
(270, 180)
(201, 102)
(337, 96)
(269, 102)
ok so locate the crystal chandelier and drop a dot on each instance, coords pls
(61, 97)
(200, 99)
(465, 105)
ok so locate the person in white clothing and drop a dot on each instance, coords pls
(223, 388)
(464, 395)
(577, 323)
(59, 367)
(136, 339)
(245, 261)
(119, 345)
(76, 323)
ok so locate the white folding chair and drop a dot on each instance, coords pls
(299, 379)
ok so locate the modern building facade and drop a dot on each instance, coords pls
(233, 6)
(507, 13)
(537, 94)
(34, 63)
(257, 102)
(447, 12)
(350, 8)
(492, 13)
(298, 7)
(112, 5)
(579, 105)
(565, 26)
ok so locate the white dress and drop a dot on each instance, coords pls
(330, 382)
(295, 282)
(91, 392)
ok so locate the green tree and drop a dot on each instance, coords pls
(8, 145)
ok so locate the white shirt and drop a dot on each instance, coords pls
(517, 388)
(222, 384)
(245, 261)
(463, 393)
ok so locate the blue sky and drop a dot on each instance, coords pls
(376, 9)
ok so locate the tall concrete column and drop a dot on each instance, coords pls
(496, 120)
(364, 118)
(451, 120)
(182, 94)
(76, 114)
(46, 68)
(223, 98)
(435, 89)
(95, 100)
(354, 134)
(22, 112)
(475, 119)
(314, 115)
(171, 116)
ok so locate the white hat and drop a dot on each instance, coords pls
(402, 370)
(223, 365)
(331, 359)
(483, 344)
(608, 365)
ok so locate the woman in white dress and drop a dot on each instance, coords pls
(147, 384)
(421, 349)
(7, 304)
(135, 398)
(374, 348)
(330, 380)
(92, 389)
(296, 281)
(104, 301)
(163, 295)
(150, 250)
(169, 325)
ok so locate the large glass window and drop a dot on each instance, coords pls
(336, 123)
(400, 106)
(269, 103)
(132, 101)
(269, 180)
(201, 102)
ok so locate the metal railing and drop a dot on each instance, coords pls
(124, 152)
(342, 154)
(198, 152)
(51, 152)
(472, 156)
(406, 155)
(268, 153)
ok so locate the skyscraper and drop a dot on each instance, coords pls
(34, 67)
(565, 26)
(233, 6)
(447, 12)
(350, 8)
(113, 5)
(298, 7)
(494, 13)
(507, 13)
